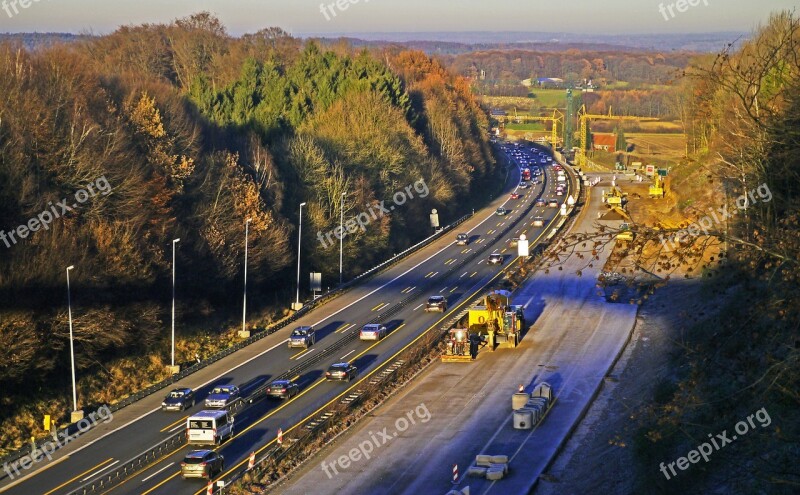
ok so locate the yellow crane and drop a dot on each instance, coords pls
(584, 118)
(557, 119)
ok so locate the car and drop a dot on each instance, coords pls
(372, 331)
(540, 202)
(549, 158)
(553, 203)
(462, 239)
(523, 185)
(436, 303)
(341, 371)
(514, 196)
(538, 222)
(495, 259)
(557, 167)
(561, 178)
(559, 192)
(178, 400)
(202, 464)
(222, 396)
(543, 161)
(302, 337)
(501, 211)
(514, 242)
(283, 389)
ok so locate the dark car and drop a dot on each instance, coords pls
(553, 203)
(283, 389)
(436, 303)
(540, 202)
(202, 464)
(341, 371)
(462, 239)
(302, 337)
(222, 396)
(178, 400)
(495, 259)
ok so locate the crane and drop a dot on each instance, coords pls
(584, 119)
(557, 118)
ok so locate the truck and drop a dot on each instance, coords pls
(526, 174)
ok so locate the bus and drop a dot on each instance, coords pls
(209, 427)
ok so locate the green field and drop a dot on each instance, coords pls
(550, 98)
(525, 127)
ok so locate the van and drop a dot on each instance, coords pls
(209, 427)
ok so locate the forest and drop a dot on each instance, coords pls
(196, 132)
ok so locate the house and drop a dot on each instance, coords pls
(604, 142)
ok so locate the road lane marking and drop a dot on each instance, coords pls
(378, 306)
(295, 378)
(463, 275)
(77, 477)
(473, 274)
(348, 354)
(162, 469)
(180, 421)
(100, 470)
(418, 307)
(161, 483)
(297, 356)
(453, 289)
(345, 327)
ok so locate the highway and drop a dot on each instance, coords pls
(416, 277)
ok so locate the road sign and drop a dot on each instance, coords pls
(316, 281)
(522, 246)
(434, 219)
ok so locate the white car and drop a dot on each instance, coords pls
(372, 331)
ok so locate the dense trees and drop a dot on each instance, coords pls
(195, 132)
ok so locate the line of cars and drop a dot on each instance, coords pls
(214, 425)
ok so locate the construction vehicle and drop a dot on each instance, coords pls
(497, 319)
(458, 343)
(625, 234)
(614, 197)
(656, 189)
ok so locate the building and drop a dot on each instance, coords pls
(604, 142)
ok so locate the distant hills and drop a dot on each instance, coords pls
(464, 42)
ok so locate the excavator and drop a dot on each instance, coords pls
(656, 189)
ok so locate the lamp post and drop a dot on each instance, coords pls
(174, 242)
(341, 238)
(75, 412)
(299, 240)
(244, 297)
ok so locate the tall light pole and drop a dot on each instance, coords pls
(341, 239)
(299, 239)
(244, 298)
(71, 345)
(174, 242)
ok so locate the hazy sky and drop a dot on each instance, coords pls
(304, 16)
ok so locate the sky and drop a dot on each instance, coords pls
(302, 17)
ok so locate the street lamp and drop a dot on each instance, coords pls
(174, 242)
(71, 345)
(244, 298)
(299, 239)
(341, 238)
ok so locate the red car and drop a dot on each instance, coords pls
(514, 195)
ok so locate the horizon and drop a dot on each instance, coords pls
(353, 18)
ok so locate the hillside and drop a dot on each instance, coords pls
(113, 146)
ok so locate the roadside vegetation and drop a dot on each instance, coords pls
(195, 132)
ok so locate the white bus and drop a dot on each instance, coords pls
(209, 427)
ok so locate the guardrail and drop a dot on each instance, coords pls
(135, 464)
(269, 330)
